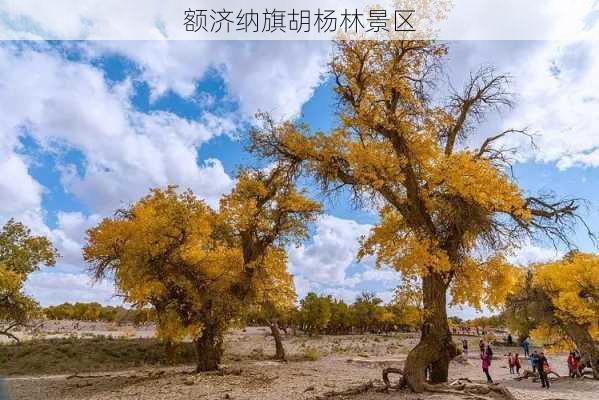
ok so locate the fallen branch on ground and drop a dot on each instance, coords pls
(347, 392)
(471, 389)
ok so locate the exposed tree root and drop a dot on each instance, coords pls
(459, 387)
(535, 376)
(347, 392)
(471, 390)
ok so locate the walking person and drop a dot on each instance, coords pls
(517, 363)
(510, 363)
(534, 361)
(525, 345)
(544, 369)
(573, 365)
(465, 347)
(486, 364)
(489, 352)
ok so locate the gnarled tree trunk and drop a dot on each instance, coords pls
(276, 334)
(436, 348)
(588, 349)
(209, 349)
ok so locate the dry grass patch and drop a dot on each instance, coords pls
(80, 355)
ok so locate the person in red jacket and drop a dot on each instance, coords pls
(486, 363)
(510, 363)
(517, 363)
(573, 365)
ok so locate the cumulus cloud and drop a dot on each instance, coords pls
(558, 100)
(554, 85)
(69, 237)
(332, 250)
(328, 265)
(259, 75)
(19, 192)
(69, 105)
(530, 253)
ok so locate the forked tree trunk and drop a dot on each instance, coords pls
(436, 348)
(209, 349)
(276, 334)
(588, 349)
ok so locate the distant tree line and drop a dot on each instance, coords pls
(324, 314)
(95, 312)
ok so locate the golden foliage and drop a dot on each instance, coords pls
(199, 266)
(573, 287)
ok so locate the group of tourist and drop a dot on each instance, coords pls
(513, 360)
(538, 361)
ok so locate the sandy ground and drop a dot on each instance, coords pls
(343, 362)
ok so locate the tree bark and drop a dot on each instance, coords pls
(276, 334)
(209, 349)
(589, 350)
(436, 348)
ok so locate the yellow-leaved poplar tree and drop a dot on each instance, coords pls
(198, 267)
(448, 213)
(567, 292)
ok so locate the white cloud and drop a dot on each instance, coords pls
(323, 265)
(19, 192)
(555, 86)
(259, 75)
(69, 237)
(529, 254)
(70, 105)
(331, 252)
(558, 100)
(50, 288)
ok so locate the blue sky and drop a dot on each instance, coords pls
(86, 127)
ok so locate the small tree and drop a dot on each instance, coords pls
(368, 312)
(342, 318)
(275, 297)
(21, 253)
(315, 313)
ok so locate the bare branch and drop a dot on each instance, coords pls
(485, 90)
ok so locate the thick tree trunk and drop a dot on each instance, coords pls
(588, 349)
(276, 334)
(209, 349)
(436, 348)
